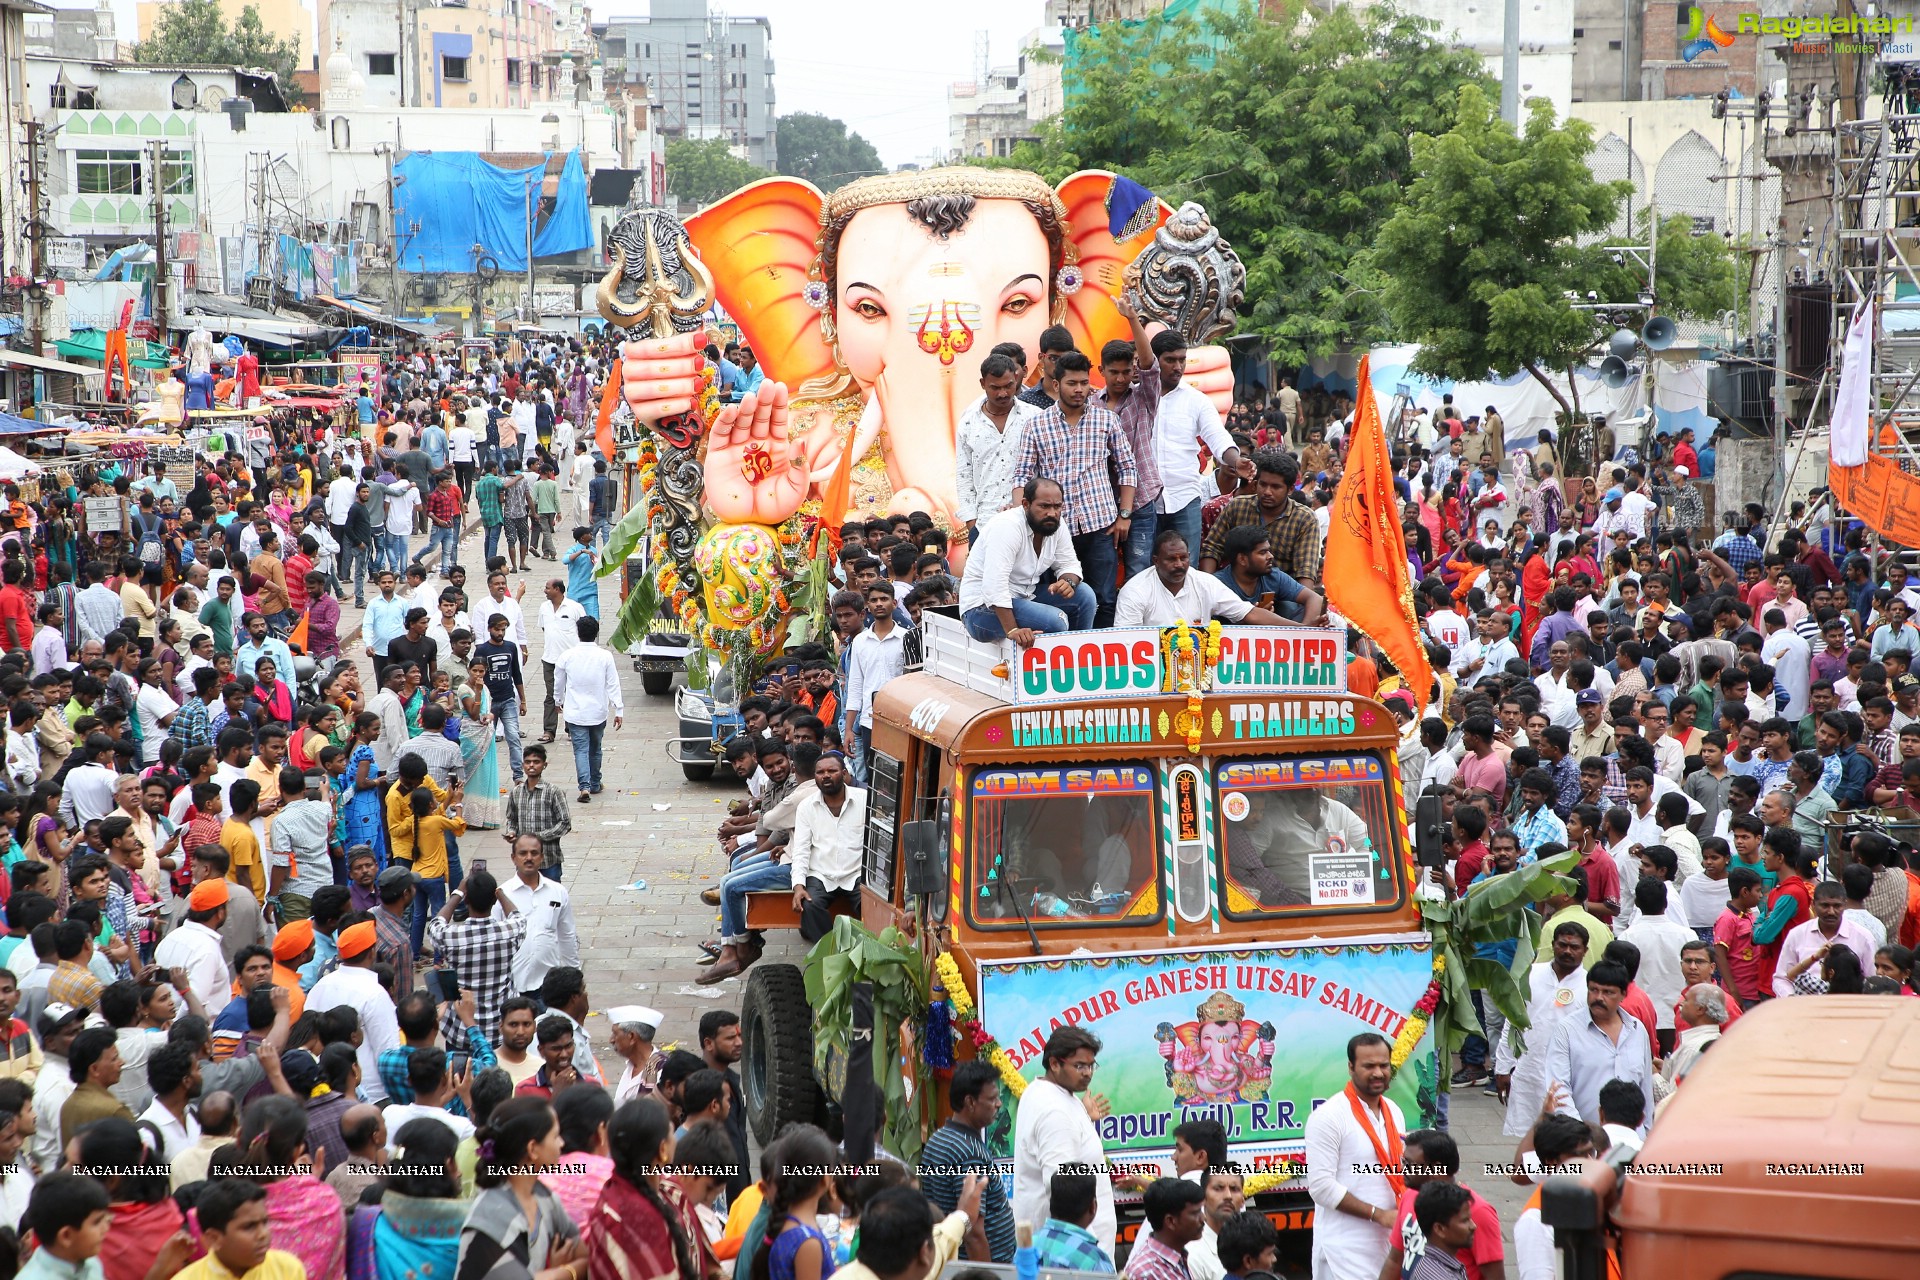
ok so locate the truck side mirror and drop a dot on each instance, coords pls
(926, 870)
(1429, 832)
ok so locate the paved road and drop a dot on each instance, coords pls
(652, 827)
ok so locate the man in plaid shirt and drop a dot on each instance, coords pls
(414, 1016)
(1083, 447)
(1174, 1215)
(1294, 532)
(444, 505)
(1065, 1243)
(478, 949)
(493, 515)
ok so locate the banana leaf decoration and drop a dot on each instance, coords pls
(1495, 910)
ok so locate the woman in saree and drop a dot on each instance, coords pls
(314, 732)
(303, 1212)
(407, 1224)
(145, 1217)
(635, 1234)
(516, 1229)
(479, 755)
(276, 699)
(1535, 583)
(359, 790)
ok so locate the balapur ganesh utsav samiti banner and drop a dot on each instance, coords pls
(1253, 1038)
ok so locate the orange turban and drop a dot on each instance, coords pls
(208, 895)
(293, 939)
(357, 939)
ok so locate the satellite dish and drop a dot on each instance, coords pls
(1615, 372)
(1659, 333)
(1623, 344)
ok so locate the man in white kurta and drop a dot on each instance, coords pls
(1052, 1128)
(1354, 1205)
(1557, 987)
(1170, 593)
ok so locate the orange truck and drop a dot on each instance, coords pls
(1191, 842)
(1791, 1150)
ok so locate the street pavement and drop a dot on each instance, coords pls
(643, 850)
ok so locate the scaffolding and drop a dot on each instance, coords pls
(1876, 185)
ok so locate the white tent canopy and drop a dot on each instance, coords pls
(14, 466)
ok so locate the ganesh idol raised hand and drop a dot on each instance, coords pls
(872, 308)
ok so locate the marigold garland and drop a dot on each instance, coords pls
(965, 1022)
(1416, 1028)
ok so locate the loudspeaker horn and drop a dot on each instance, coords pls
(1623, 344)
(1615, 372)
(1659, 333)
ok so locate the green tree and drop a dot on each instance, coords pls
(1289, 124)
(821, 150)
(701, 171)
(1501, 231)
(193, 31)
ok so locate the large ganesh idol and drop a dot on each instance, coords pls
(870, 310)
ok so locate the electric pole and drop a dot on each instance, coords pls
(161, 283)
(36, 233)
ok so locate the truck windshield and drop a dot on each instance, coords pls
(1305, 834)
(1062, 844)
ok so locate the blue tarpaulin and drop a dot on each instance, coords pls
(460, 200)
(13, 425)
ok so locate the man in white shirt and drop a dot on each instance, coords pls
(340, 493)
(1171, 592)
(1346, 1140)
(355, 985)
(586, 683)
(90, 788)
(826, 846)
(1000, 591)
(877, 655)
(1660, 938)
(558, 618)
(1787, 652)
(1051, 1130)
(402, 498)
(196, 946)
(1451, 630)
(430, 1075)
(552, 939)
(1184, 420)
(499, 602)
(987, 441)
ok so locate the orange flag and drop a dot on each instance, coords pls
(297, 639)
(1366, 572)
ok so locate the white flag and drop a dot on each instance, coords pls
(1853, 402)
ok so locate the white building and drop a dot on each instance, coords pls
(240, 169)
(1546, 41)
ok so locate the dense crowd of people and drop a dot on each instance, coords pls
(271, 1015)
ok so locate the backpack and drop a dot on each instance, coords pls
(152, 551)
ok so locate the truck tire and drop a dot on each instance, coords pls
(657, 683)
(776, 1060)
(697, 772)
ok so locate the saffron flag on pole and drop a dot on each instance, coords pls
(1366, 574)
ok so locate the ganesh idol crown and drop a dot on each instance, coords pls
(869, 311)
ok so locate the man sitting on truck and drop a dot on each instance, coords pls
(1271, 853)
(1249, 573)
(1172, 593)
(1020, 554)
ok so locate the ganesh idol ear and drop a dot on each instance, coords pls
(1110, 220)
(759, 243)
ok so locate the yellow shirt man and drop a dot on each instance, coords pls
(246, 868)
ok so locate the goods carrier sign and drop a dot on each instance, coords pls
(1074, 666)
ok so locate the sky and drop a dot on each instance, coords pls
(880, 65)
